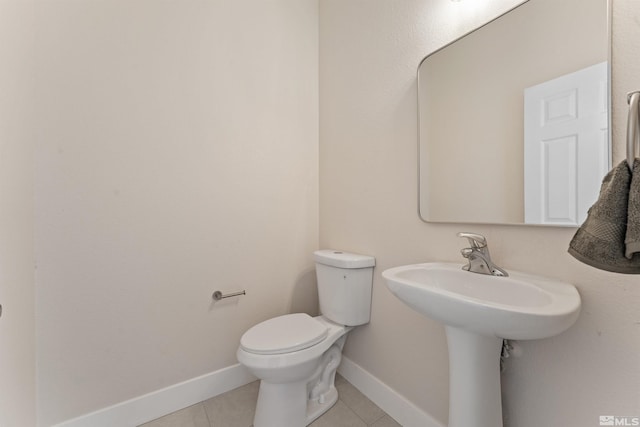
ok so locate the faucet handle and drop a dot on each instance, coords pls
(477, 241)
(466, 252)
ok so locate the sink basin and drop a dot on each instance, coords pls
(519, 307)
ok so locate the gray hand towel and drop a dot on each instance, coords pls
(612, 221)
(632, 237)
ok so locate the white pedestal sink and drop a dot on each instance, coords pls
(479, 311)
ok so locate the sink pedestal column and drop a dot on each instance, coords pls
(474, 379)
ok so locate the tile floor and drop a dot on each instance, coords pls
(236, 407)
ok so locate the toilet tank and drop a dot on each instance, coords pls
(344, 286)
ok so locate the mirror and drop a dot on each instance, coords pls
(514, 117)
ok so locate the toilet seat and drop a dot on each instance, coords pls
(284, 334)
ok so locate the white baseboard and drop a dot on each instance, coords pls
(154, 405)
(399, 408)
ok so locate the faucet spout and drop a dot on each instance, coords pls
(479, 257)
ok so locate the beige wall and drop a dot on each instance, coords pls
(369, 51)
(177, 155)
(17, 324)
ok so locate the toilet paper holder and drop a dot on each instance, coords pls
(217, 295)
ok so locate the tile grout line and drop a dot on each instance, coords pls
(359, 417)
(206, 414)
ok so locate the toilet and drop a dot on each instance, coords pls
(295, 356)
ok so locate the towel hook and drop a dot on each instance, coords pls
(632, 126)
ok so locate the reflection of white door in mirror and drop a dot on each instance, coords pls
(566, 146)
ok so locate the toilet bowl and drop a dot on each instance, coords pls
(297, 376)
(296, 356)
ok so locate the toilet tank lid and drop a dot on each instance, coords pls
(343, 259)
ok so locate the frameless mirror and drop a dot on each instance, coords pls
(514, 117)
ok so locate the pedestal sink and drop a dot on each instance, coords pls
(478, 312)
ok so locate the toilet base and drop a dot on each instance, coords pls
(286, 405)
(281, 405)
(298, 404)
(315, 408)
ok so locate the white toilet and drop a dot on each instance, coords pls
(296, 355)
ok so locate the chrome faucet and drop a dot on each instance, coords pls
(479, 257)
